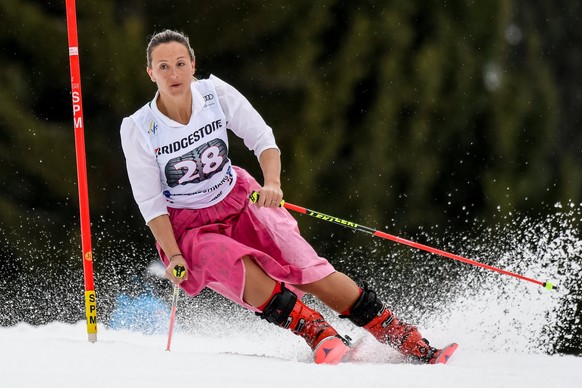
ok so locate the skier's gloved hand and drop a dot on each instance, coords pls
(177, 269)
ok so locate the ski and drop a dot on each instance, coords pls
(442, 355)
(335, 350)
(331, 350)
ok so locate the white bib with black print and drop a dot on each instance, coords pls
(193, 158)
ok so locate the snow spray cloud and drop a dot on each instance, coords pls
(36, 285)
(41, 278)
(481, 309)
(489, 311)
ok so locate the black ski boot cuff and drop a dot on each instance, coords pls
(280, 307)
(366, 308)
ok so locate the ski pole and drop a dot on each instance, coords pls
(352, 225)
(179, 272)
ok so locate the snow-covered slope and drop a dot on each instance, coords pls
(59, 355)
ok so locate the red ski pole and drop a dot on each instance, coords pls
(90, 299)
(178, 272)
(352, 225)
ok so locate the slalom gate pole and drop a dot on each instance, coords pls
(178, 272)
(352, 225)
(90, 298)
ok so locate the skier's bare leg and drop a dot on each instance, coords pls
(338, 291)
(258, 285)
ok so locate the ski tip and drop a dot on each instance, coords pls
(330, 351)
(443, 355)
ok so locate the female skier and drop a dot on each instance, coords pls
(196, 203)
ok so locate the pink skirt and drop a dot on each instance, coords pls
(214, 240)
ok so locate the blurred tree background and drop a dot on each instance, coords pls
(408, 115)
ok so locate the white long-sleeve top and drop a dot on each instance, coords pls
(187, 166)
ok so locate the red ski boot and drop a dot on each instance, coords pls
(405, 338)
(370, 313)
(285, 310)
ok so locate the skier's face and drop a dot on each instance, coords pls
(172, 68)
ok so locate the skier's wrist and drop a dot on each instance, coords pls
(175, 256)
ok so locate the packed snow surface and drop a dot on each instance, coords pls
(59, 355)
